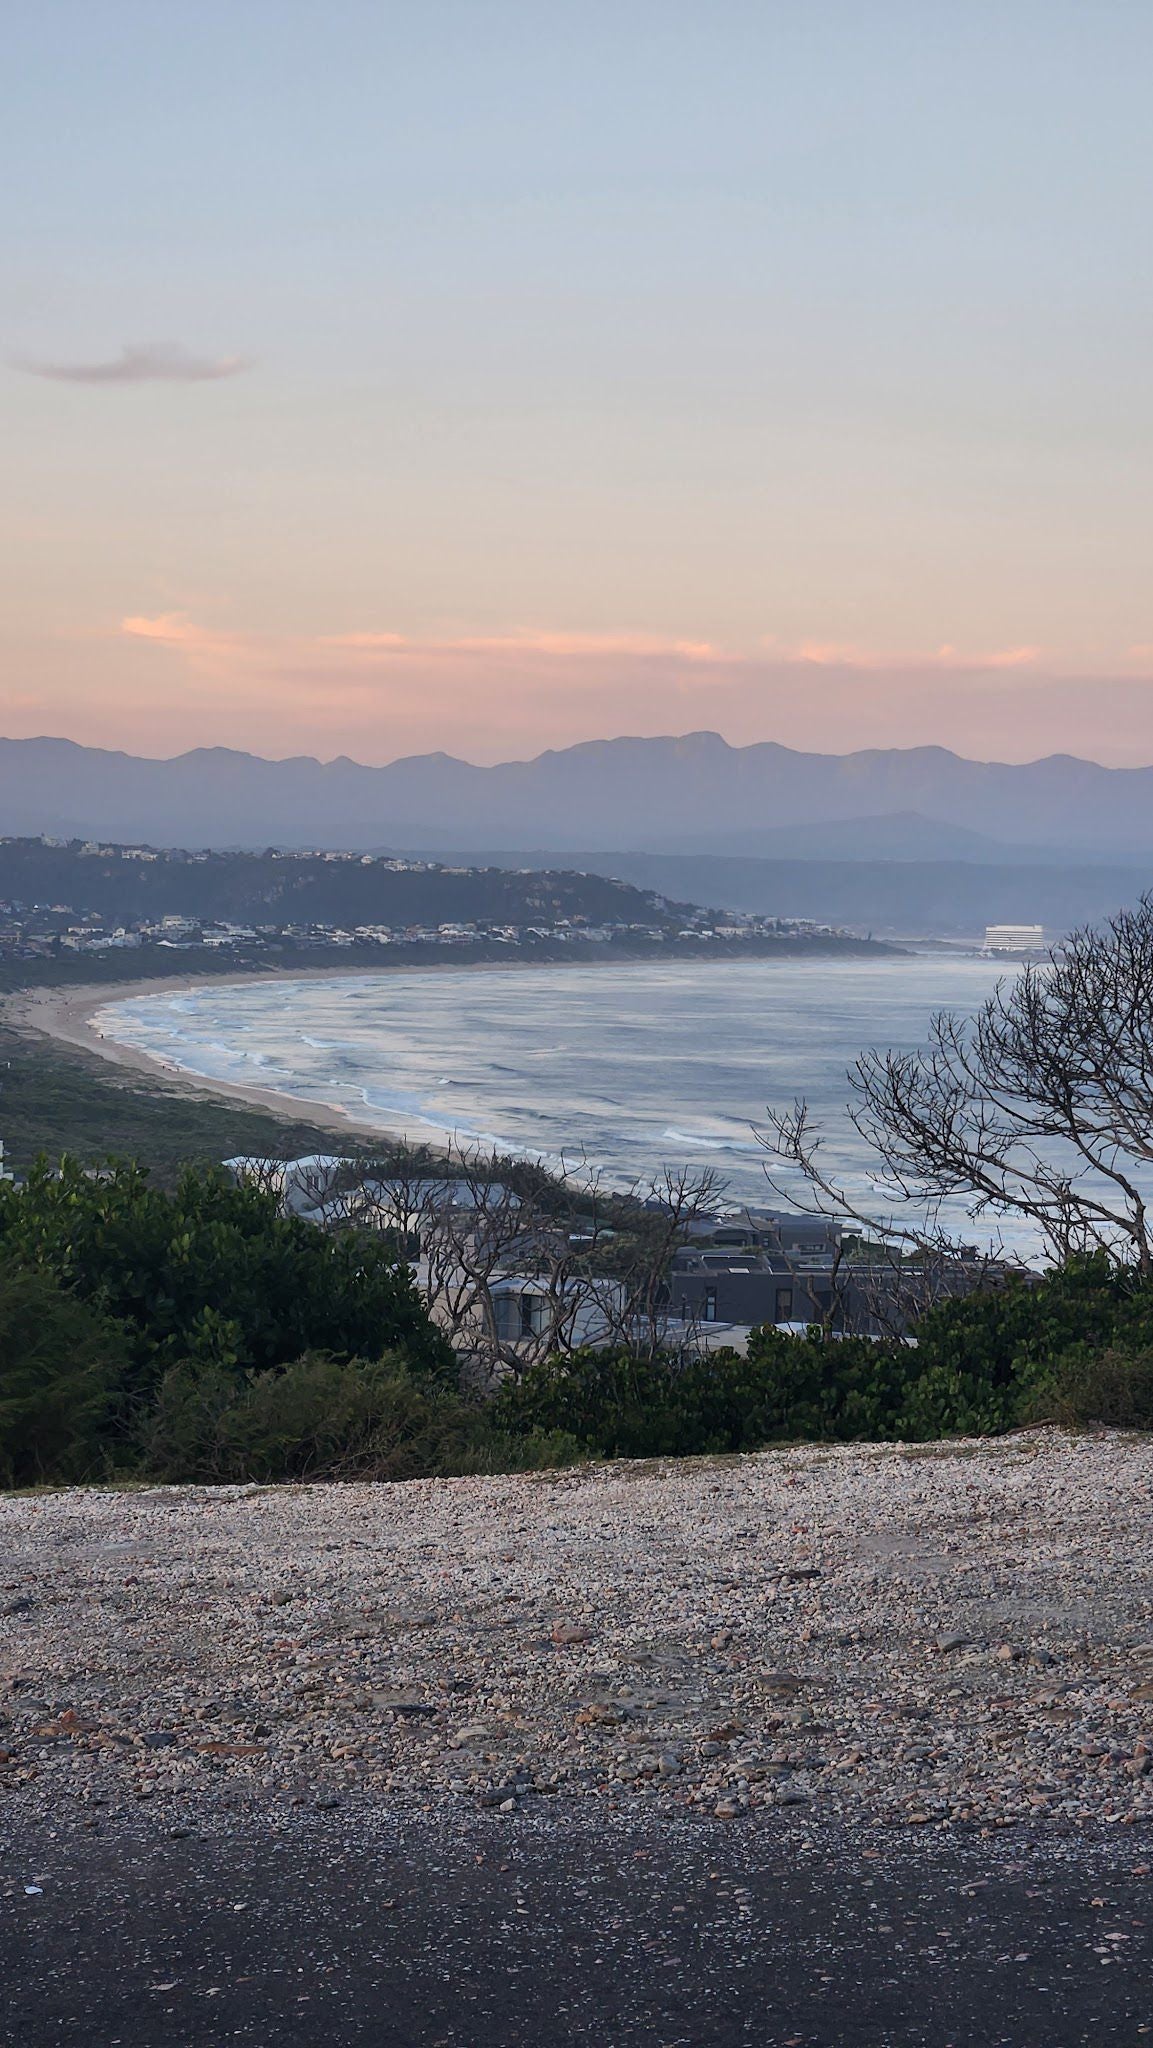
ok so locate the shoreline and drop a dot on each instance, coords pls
(63, 1014)
(65, 1017)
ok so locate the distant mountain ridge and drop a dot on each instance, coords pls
(690, 794)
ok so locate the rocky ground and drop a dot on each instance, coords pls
(935, 1637)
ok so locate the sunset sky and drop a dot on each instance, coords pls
(492, 374)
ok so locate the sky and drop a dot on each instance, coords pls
(490, 375)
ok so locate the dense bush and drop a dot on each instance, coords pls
(113, 1293)
(1114, 1387)
(214, 1273)
(202, 1336)
(788, 1389)
(1069, 1347)
(1075, 1345)
(321, 1419)
(616, 1406)
(62, 1370)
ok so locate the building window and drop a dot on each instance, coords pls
(784, 1305)
(531, 1315)
(710, 1305)
(519, 1316)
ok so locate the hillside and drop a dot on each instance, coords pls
(128, 885)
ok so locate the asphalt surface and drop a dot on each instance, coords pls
(488, 1929)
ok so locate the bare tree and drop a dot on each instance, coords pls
(1039, 1107)
(516, 1264)
(587, 1262)
(629, 1283)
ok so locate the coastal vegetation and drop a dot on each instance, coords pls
(56, 1099)
(1075, 1347)
(202, 1335)
(109, 1284)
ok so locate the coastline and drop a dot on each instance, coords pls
(64, 1016)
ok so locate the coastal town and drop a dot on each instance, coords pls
(60, 899)
(44, 931)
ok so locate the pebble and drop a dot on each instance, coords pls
(462, 1737)
(160, 1656)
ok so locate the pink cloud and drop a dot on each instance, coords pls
(534, 642)
(492, 696)
(173, 628)
(845, 654)
(176, 629)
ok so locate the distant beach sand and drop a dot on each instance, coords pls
(66, 1016)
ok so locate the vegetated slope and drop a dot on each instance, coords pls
(264, 888)
(56, 1099)
(682, 793)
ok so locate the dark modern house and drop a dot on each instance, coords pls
(768, 1266)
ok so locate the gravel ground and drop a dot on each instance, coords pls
(942, 1637)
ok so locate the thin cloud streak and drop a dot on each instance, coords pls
(149, 362)
(567, 652)
(845, 655)
(532, 642)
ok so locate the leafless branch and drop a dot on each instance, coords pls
(1039, 1107)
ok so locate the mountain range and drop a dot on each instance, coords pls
(694, 794)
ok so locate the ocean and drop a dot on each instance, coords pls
(631, 1067)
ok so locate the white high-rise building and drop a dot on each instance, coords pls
(1014, 938)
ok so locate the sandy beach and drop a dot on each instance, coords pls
(65, 1015)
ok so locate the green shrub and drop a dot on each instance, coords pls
(977, 1367)
(1114, 1387)
(787, 1388)
(62, 1370)
(201, 1336)
(214, 1273)
(322, 1418)
(1019, 1351)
